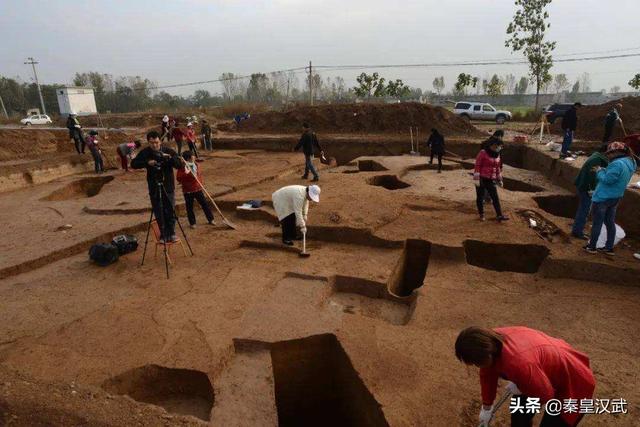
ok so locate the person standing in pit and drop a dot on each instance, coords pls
(610, 120)
(178, 135)
(487, 174)
(164, 129)
(535, 366)
(92, 144)
(569, 125)
(612, 183)
(126, 151)
(291, 204)
(309, 142)
(205, 130)
(75, 132)
(190, 136)
(436, 143)
(190, 178)
(585, 185)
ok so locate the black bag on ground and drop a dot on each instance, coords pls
(103, 254)
(125, 243)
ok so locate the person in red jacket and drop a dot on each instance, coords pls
(190, 135)
(191, 180)
(536, 366)
(488, 174)
(178, 136)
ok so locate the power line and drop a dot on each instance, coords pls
(469, 63)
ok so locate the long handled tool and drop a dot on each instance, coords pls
(497, 406)
(411, 134)
(623, 129)
(224, 220)
(304, 253)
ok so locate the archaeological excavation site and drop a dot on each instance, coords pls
(245, 331)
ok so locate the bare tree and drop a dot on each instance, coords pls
(561, 83)
(438, 84)
(585, 82)
(615, 89)
(509, 83)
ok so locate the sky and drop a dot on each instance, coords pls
(178, 41)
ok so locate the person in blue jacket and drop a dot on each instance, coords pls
(612, 183)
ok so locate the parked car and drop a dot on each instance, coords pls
(481, 111)
(556, 111)
(36, 119)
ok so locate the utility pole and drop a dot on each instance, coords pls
(286, 101)
(33, 63)
(310, 84)
(3, 109)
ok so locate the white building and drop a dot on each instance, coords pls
(79, 100)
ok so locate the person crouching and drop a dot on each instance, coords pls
(190, 178)
(126, 152)
(291, 204)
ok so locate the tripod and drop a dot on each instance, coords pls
(161, 192)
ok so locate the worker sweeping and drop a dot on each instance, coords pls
(535, 365)
(292, 206)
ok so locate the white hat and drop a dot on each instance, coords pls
(314, 193)
(189, 124)
(165, 119)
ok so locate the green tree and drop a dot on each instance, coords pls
(397, 89)
(464, 80)
(438, 84)
(527, 34)
(495, 86)
(370, 85)
(635, 82)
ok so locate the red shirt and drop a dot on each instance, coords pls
(191, 135)
(541, 366)
(177, 134)
(188, 181)
(488, 167)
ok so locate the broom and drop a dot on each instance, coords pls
(225, 221)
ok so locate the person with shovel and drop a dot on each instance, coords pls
(610, 120)
(190, 178)
(536, 366)
(190, 136)
(92, 144)
(291, 204)
(309, 142)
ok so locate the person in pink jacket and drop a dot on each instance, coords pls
(487, 175)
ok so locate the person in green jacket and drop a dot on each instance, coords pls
(585, 185)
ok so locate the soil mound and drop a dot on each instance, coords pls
(591, 119)
(361, 118)
(16, 144)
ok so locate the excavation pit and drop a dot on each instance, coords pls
(178, 391)
(411, 268)
(517, 185)
(316, 385)
(355, 295)
(85, 187)
(390, 182)
(370, 166)
(505, 256)
(564, 206)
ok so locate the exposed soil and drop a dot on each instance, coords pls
(390, 182)
(559, 205)
(247, 333)
(361, 118)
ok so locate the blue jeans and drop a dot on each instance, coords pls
(308, 166)
(584, 205)
(567, 141)
(604, 213)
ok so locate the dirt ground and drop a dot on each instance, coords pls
(247, 333)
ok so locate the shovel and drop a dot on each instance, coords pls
(623, 129)
(304, 253)
(225, 221)
(497, 406)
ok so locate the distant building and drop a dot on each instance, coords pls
(79, 100)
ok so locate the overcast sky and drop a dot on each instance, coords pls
(193, 40)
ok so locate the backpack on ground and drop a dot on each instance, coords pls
(103, 254)
(125, 243)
